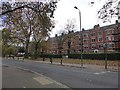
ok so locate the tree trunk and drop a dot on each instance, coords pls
(26, 49)
(36, 51)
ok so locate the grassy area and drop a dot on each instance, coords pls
(78, 61)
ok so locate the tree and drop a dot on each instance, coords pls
(109, 10)
(60, 40)
(31, 20)
(42, 26)
(70, 27)
(20, 26)
(66, 35)
(7, 42)
(44, 46)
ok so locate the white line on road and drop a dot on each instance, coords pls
(108, 71)
(103, 72)
(89, 80)
(42, 80)
(24, 87)
(97, 73)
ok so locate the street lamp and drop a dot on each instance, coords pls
(105, 51)
(81, 36)
(60, 44)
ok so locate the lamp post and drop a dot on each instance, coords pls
(105, 51)
(80, 36)
(69, 42)
(60, 44)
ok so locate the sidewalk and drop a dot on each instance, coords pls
(19, 78)
(89, 66)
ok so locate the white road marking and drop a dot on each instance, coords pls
(97, 73)
(89, 80)
(24, 87)
(103, 72)
(43, 81)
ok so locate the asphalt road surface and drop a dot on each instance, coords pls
(19, 78)
(70, 76)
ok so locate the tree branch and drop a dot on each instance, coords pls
(3, 13)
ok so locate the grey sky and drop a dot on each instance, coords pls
(65, 10)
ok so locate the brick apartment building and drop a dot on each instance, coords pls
(116, 35)
(92, 40)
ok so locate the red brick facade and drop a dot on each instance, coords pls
(116, 35)
(92, 40)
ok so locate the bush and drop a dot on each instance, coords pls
(93, 56)
(98, 56)
(50, 56)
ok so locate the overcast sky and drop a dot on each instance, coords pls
(65, 10)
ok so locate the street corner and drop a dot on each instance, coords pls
(23, 79)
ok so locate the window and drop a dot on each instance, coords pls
(93, 46)
(110, 45)
(100, 39)
(100, 45)
(109, 31)
(85, 35)
(108, 38)
(85, 40)
(112, 38)
(93, 40)
(85, 46)
(92, 34)
(99, 33)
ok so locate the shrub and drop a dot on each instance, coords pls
(93, 56)
(50, 56)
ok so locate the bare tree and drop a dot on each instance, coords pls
(108, 10)
(70, 25)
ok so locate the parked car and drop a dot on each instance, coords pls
(20, 55)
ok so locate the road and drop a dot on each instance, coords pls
(26, 79)
(70, 76)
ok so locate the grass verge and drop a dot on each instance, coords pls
(78, 61)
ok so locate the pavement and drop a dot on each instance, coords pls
(90, 66)
(14, 77)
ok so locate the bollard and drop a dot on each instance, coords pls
(23, 58)
(43, 59)
(61, 62)
(51, 60)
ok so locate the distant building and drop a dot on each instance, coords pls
(119, 12)
(52, 45)
(92, 40)
(116, 35)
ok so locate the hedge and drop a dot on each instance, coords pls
(50, 56)
(98, 56)
(94, 56)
